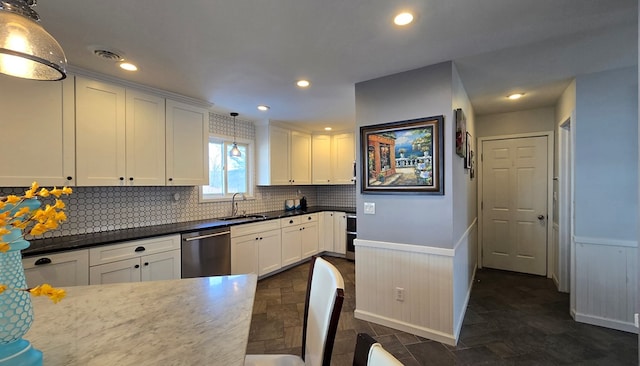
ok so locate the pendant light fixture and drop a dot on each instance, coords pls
(26, 49)
(234, 152)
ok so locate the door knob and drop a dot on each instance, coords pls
(540, 217)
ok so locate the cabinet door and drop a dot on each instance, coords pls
(58, 269)
(300, 158)
(100, 133)
(326, 231)
(291, 250)
(38, 122)
(321, 159)
(279, 147)
(269, 249)
(145, 139)
(340, 233)
(343, 158)
(309, 239)
(161, 266)
(244, 254)
(187, 154)
(122, 271)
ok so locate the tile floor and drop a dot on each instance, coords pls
(512, 319)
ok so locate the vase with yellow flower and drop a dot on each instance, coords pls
(20, 215)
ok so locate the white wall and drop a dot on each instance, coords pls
(409, 219)
(511, 123)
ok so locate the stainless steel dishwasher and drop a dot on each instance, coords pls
(206, 253)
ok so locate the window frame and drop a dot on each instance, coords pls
(250, 161)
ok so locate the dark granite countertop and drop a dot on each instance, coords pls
(81, 241)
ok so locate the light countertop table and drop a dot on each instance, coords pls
(196, 321)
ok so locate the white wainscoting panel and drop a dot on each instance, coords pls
(465, 262)
(606, 282)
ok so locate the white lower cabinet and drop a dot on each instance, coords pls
(58, 269)
(133, 261)
(299, 238)
(340, 233)
(256, 248)
(325, 231)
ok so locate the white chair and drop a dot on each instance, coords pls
(325, 295)
(368, 352)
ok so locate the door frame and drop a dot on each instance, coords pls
(566, 245)
(550, 158)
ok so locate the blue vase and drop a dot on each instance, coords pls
(16, 311)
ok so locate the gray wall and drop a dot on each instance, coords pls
(409, 219)
(606, 153)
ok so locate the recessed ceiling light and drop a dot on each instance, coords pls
(128, 66)
(515, 96)
(303, 83)
(327, 128)
(403, 18)
(264, 107)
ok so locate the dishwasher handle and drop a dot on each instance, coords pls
(206, 236)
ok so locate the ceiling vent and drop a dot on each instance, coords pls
(107, 54)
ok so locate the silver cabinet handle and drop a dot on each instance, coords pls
(206, 236)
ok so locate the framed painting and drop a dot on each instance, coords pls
(403, 157)
(461, 134)
(469, 153)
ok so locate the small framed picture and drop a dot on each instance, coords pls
(469, 153)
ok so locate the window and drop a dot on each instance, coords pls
(227, 174)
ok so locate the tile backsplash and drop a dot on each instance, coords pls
(95, 209)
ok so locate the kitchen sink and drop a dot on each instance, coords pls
(243, 217)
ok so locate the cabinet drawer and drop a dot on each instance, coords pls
(132, 249)
(58, 269)
(308, 218)
(246, 229)
(290, 221)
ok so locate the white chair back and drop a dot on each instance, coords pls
(379, 356)
(326, 284)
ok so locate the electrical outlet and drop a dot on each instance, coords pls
(369, 208)
(399, 294)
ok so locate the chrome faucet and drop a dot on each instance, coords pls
(234, 204)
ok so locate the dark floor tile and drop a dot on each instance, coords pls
(511, 319)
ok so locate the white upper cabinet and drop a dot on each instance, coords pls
(37, 122)
(343, 157)
(145, 139)
(284, 156)
(321, 159)
(187, 155)
(100, 133)
(333, 159)
(120, 135)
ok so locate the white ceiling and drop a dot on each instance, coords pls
(237, 54)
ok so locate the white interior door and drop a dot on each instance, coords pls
(514, 194)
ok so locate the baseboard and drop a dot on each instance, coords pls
(556, 282)
(406, 327)
(466, 304)
(607, 323)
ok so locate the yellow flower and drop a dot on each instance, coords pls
(30, 193)
(46, 290)
(61, 216)
(38, 229)
(59, 204)
(13, 199)
(56, 192)
(4, 231)
(2, 288)
(43, 192)
(2, 204)
(4, 247)
(51, 224)
(21, 212)
(67, 190)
